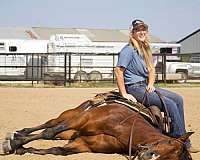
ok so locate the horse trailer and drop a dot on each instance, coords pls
(89, 60)
(16, 55)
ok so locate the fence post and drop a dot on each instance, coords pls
(27, 67)
(165, 81)
(80, 79)
(38, 68)
(32, 68)
(65, 68)
(41, 64)
(113, 78)
(70, 65)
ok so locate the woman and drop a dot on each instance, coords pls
(135, 73)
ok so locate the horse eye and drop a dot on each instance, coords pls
(154, 156)
(149, 155)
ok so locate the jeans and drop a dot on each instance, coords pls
(173, 101)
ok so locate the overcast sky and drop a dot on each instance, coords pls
(170, 20)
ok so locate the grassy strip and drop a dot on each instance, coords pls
(92, 85)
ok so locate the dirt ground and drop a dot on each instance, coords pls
(26, 107)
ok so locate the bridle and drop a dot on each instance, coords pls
(146, 147)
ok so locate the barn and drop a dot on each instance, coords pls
(191, 43)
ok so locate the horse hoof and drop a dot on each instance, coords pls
(5, 147)
(23, 132)
(10, 135)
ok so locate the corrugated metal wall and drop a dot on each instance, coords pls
(191, 44)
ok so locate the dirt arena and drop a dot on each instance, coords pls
(26, 107)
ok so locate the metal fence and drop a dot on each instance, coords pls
(63, 68)
(177, 67)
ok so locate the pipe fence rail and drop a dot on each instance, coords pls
(63, 67)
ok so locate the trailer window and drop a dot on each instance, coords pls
(2, 46)
(12, 48)
(86, 61)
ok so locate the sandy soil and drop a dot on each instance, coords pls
(26, 107)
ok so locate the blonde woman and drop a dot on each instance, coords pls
(135, 73)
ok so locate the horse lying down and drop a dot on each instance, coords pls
(102, 128)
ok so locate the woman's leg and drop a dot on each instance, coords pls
(176, 98)
(179, 102)
(178, 126)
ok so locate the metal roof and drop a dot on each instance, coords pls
(193, 33)
(17, 33)
(45, 32)
(95, 35)
(190, 43)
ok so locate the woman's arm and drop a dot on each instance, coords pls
(119, 73)
(151, 79)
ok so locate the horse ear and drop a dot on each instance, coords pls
(184, 137)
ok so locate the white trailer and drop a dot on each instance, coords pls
(10, 50)
(87, 56)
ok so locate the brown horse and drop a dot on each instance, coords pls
(107, 128)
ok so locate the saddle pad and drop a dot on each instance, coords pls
(114, 97)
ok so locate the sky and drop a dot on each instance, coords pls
(170, 20)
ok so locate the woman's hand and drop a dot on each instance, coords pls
(150, 88)
(129, 97)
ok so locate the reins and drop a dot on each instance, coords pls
(131, 134)
(165, 110)
(166, 114)
(131, 139)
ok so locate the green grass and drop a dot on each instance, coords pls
(177, 85)
(106, 84)
(72, 85)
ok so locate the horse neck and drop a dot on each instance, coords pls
(145, 133)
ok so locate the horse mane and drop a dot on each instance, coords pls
(185, 155)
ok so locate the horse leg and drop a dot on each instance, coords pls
(98, 143)
(67, 135)
(50, 133)
(66, 115)
(77, 146)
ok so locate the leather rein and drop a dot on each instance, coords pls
(131, 116)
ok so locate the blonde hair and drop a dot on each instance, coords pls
(143, 49)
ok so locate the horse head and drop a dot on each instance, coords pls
(167, 149)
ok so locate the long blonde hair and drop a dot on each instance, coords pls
(143, 49)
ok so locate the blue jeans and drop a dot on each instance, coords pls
(173, 101)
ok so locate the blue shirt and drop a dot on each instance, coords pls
(135, 67)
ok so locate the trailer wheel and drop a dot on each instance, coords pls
(81, 76)
(95, 76)
(184, 77)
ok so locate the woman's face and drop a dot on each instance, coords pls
(140, 35)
